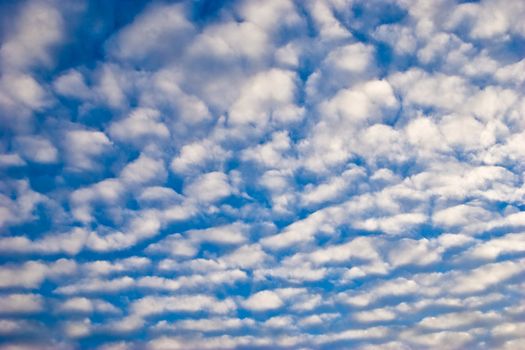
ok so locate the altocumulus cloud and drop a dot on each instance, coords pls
(262, 174)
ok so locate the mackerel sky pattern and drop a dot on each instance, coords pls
(262, 174)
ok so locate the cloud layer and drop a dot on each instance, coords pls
(273, 174)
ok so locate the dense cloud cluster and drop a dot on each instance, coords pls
(273, 174)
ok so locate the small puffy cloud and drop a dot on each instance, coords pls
(70, 243)
(414, 252)
(438, 91)
(486, 276)
(334, 188)
(326, 22)
(235, 233)
(490, 20)
(209, 187)
(97, 285)
(174, 245)
(38, 28)
(144, 170)
(454, 340)
(493, 248)
(188, 245)
(196, 155)
(13, 327)
(37, 149)
(21, 303)
(140, 126)
(81, 305)
(8, 160)
(148, 36)
(374, 315)
(270, 14)
(245, 257)
(458, 320)
(270, 154)
(18, 206)
(32, 274)
(227, 41)
(207, 325)
(72, 84)
(268, 96)
(105, 267)
(152, 305)
(195, 281)
(461, 215)
(263, 300)
(361, 104)
(144, 225)
(78, 329)
(19, 92)
(108, 191)
(83, 147)
(112, 86)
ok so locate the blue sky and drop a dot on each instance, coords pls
(262, 174)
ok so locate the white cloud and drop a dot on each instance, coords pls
(194, 281)
(333, 188)
(175, 245)
(197, 154)
(207, 325)
(327, 25)
(484, 277)
(235, 233)
(453, 340)
(81, 305)
(270, 154)
(72, 84)
(275, 174)
(144, 225)
(105, 267)
(459, 320)
(229, 40)
(9, 327)
(209, 187)
(269, 96)
(108, 191)
(375, 315)
(20, 94)
(247, 256)
(20, 208)
(11, 160)
(461, 215)
(78, 329)
(440, 91)
(21, 303)
(84, 146)
(39, 27)
(141, 126)
(147, 37)
(151, 305)
(31, 274)
(414, 252)
(492, 248)
(263, 300)
(353, 334)
(144, 170)
(37, 149)
(270, 15)
(489, 20)
(70, 243)
(96, 285)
